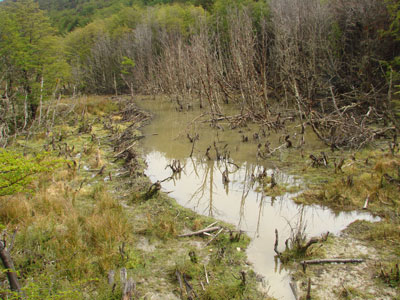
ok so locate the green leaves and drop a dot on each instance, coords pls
(32, 59)
(16, 171)
(127, 65)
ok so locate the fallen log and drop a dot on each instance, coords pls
(211, 229)
(330, 261)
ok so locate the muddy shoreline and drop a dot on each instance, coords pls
(317, 177)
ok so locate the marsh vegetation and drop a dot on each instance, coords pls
(285, 111)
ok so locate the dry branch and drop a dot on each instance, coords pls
(330, 261)
(178, 276)
(215, 236)
(211, 229)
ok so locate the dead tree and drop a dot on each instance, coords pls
(9, 266)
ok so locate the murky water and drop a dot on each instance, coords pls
(240, 202)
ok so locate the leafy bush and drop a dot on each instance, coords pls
(16, 171)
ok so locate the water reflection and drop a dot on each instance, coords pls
(228, 189)
(243, 202)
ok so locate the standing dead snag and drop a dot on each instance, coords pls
(9, 265)
(308, 297)
(128, 289)
(127, 284)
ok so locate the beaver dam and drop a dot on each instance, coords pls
(223, 172)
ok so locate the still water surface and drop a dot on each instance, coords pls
(240, 202)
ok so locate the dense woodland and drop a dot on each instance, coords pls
(333, 61)
(332, 65)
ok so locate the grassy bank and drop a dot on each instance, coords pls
(79, 225)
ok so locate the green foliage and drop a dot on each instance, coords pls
(258, 9)
(127, 65)
(16, 171)
(44, 288)
(31, 54)
(177, 18)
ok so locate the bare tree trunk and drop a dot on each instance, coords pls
(41, 101)
(25, 111)
(9, 265)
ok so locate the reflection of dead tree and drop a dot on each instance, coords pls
(208, 153)
(211, 205)
(202, 188)
(245, 192)
(208, 177)
(194, 138)
(225, 177)
(175, 166)
(224, 155)
(260, 211)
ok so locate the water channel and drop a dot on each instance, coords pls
(240, 201)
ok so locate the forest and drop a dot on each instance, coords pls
(70, 72)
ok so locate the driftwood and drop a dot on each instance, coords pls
(333, 260)
(211, 229)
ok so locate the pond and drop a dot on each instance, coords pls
(240, 201)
